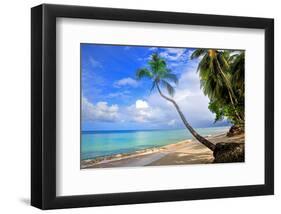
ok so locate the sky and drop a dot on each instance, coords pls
(112, 98)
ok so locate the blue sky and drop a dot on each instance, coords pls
(112, 98)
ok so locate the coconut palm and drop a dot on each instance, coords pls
(237, 63)
(162, 77)
(213, 70)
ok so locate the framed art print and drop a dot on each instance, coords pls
(133, 106)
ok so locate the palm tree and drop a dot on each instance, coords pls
(238, 72)
(213, 66)
(161, 76)
(237, 64)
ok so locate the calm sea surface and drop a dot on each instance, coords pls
(102, 143)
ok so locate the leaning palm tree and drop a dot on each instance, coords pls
(214, 65)
(161, 76)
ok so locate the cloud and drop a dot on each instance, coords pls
(99, 112)
(126, 82)
(146, 58)
(141, 112)
(172, 122)
(94, 63)
(190, 99)
(174, 54)
(122, 94)
(141, 104)
(153, 49)
(142, 116)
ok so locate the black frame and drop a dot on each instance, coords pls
(43, 106)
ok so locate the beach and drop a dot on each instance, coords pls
(180, 153)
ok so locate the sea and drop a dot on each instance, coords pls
(105, 143)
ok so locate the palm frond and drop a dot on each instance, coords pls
(223, 61)
(198, 52)
(204, 63)
(168, 87)
(153, 86)
(142, 73)
(238, 73)
(159, 73)
(157, 64)
(171, 77)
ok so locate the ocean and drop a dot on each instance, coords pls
(103, 143)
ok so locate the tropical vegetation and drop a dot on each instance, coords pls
(221, 75)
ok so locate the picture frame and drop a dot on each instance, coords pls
(44, 104)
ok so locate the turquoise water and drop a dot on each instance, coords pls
(102, 143)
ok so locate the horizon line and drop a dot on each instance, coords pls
(110, 130)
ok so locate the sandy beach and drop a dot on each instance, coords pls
(184, 152)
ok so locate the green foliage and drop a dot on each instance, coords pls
(221, 75)
(217, 109)
(159, 73)
(224, 111)
(143, 72)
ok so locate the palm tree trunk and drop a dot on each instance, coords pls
(201, 139)
(230, 92)
(232, 103)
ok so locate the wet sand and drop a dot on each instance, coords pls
(184, 152)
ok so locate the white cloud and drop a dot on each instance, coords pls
(174, 64)
(99, 112)
(174, 54)
(141, 112)
(190, 99)
(94, 63)
(153, 49)
(141, 104)
(172, 122)
(122, 94)
(188, 86)
(177, 51)
(126, 82)
(142, 116)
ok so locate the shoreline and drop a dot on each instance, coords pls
(183, 152)
(121, 156)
